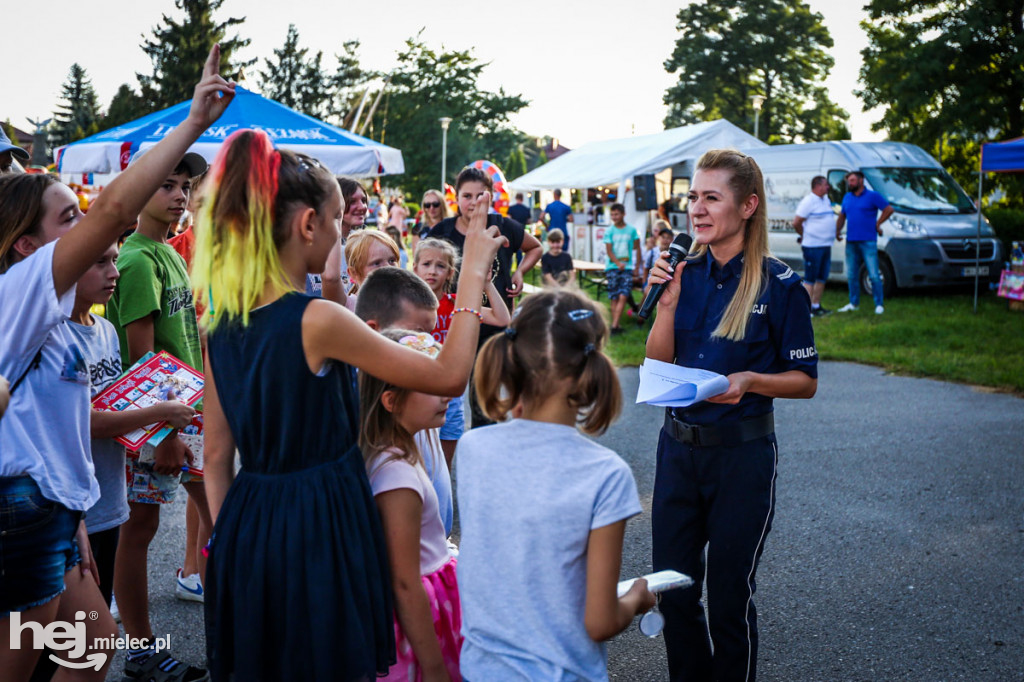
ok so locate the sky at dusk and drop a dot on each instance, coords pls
(589, 72)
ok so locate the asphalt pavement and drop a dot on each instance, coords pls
(896, 552)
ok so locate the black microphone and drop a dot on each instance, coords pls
(676, 252)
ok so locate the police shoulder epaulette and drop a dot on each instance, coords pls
(785, 274)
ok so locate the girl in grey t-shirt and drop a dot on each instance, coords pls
(542, 508)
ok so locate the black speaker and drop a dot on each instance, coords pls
(645, 193)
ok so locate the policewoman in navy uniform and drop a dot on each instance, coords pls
(732, 308)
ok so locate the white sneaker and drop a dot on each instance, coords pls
(188, 588)
(879, 310)
(114, 611)
(848, 308)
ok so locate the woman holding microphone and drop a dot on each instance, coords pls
(731, 308)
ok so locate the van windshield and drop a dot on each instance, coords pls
(919, 190)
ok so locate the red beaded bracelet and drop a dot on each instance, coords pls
(469, 310)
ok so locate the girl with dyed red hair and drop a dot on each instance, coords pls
(297, 583)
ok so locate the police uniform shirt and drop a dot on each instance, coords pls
(779, 334)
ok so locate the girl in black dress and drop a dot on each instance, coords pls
(297, 585)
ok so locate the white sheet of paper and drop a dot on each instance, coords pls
(664, 384)
(658, 582)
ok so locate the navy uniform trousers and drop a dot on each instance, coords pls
(721, 497)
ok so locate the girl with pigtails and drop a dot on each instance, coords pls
(543, 509)
(297, 584)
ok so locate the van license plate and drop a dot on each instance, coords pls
(971, 272)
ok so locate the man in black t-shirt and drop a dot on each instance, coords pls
(521, 214)
(519, 211)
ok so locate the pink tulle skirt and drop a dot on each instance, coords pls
(443, 595)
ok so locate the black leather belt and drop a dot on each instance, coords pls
(730, 433)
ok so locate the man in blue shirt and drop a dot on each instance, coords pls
(558, 214)
(861, 206)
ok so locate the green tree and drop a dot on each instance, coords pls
(78, 113)
(731, 50)
(348, 83)
(295, 80)
(516, 164)
(179, 49)
(967, 81)
(125, 106)
(429, 84)
(12, 135)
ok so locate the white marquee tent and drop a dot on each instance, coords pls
(616, 161)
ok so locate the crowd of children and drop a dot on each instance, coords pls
(324, 502)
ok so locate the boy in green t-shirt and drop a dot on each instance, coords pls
(152, 310)
(622, 243)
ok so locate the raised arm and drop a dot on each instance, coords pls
(333, 289)
(497, 315)
(329, 331)
(119, 204)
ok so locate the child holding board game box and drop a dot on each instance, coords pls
(97, 340)
(543, 523)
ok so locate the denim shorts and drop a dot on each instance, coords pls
(37, 545)
(454, 420)
(817, 262)
(620, 283)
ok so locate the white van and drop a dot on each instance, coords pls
(930, 238)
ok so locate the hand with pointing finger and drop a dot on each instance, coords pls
(212, 94)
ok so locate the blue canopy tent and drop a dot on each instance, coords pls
(342, 152)
(1003, 157)
(996, 157)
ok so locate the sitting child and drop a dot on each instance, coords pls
(556, 265)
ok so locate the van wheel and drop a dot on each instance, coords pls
(887, 275)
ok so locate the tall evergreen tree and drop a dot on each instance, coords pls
(731, 50)
(179, 50)
(78, 114)
(516, 164)
(348, 82)
(295, 80)
(125, 106)
(966, 84)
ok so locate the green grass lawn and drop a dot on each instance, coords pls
(927, 333)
